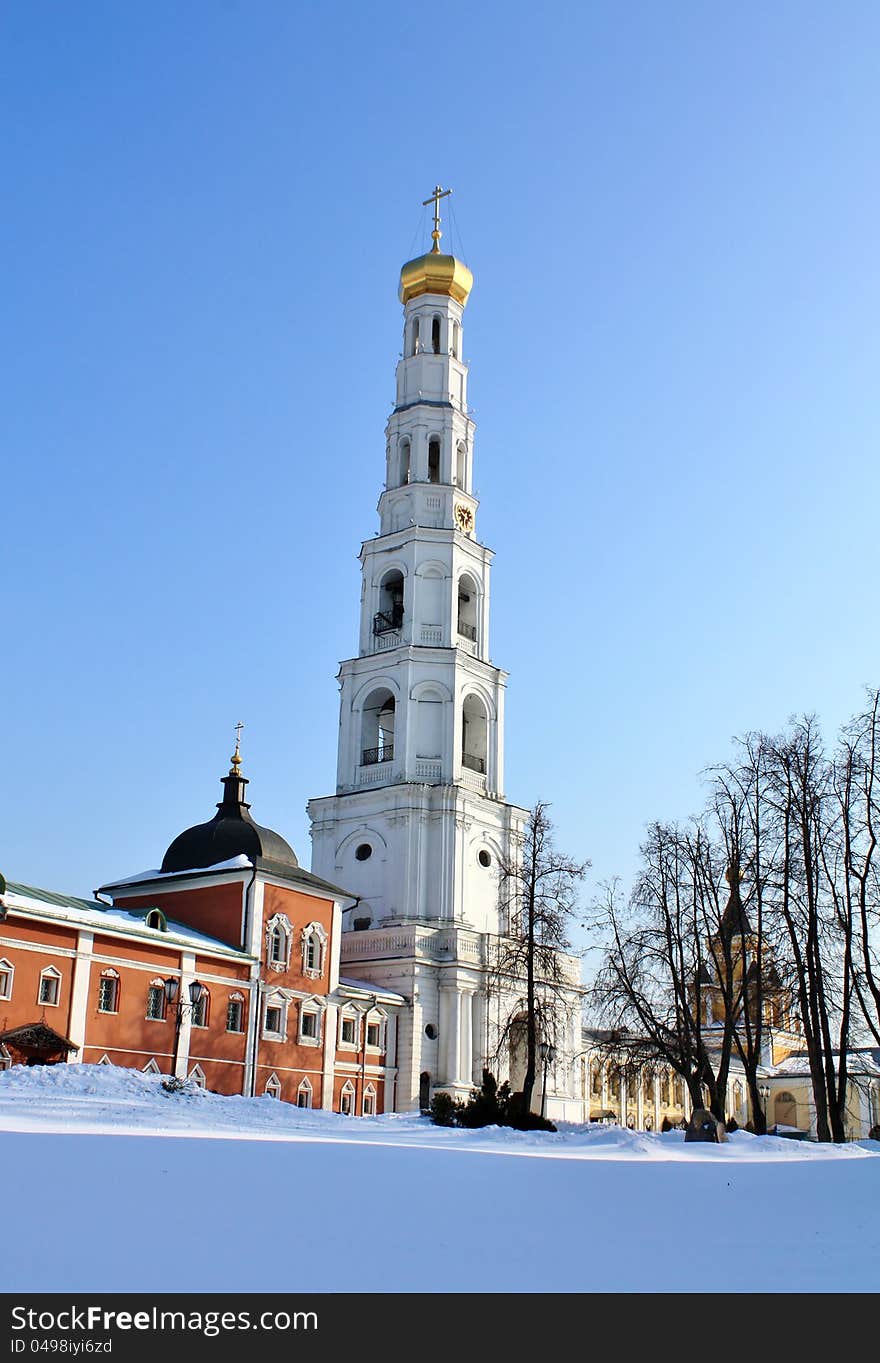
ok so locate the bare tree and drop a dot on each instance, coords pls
(538, 888)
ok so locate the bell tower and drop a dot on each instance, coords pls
(419, 823)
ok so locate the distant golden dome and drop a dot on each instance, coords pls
(435, 273)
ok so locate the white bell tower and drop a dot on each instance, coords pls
(419, 821)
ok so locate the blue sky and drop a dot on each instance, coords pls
(671, 214)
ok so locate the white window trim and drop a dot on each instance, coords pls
(272, 1088)
(375, 1018)
(156, 984)
(369, 1093)
(5, 1059)
(350, 1015)
(314, 930)
(6, 967)
(278, 922)
(275, 1001)
(305, 1087)
(348, 1090)
(313, 1010)
(109, 974)
(105, 1059)
(52, 974)
(235, 997)
(204, 1003)
(151, 1068)
(197, 1075)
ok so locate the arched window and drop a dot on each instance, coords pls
(390, 613)
(474, 734)
(377, 728)
(7, 974)
(414, 337)
(403, 462)
(785, 1109)
(235, 1013)
(433, 460)
(596, 1079)
(156, 1001)
(467, 608)
(435, 335)
(346, 1098)
(314, 941)
(369, 1104)
(273, 1087)
(456, 341)
(197, 1076)
(200, 1009)
(156, 919)
(108, 992)
(50, 987)
(304, 1094)
(278, 942)
(461, 465)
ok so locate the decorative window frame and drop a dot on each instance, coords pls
(305, 1090)
(151, 1068)
(349, 1015)
(275, 1000)
(235, 997)
(203, 1005)
(368, 1104)
(6, 969)
(376, 1017)
(113, 976)
(105, 1059)
(155, 919)
(50, 973)
(279, 923)
(309, 933)
(308, 1008)
(272, 1087)
(197, 1076)
(348, 1091)
(5, 1059)
(159, 984)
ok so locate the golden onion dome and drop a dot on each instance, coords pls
(435, 273)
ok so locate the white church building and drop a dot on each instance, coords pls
(419, 822)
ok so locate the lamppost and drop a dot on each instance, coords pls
(764, 1090)
(548, 1055)
(172, 990)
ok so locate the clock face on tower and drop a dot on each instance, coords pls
(464, 518)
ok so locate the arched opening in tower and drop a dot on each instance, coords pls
(390, 613)
(474, 734)
(467, 608)
(377, 728)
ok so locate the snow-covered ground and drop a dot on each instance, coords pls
(110, 1184)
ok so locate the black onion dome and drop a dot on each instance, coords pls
(231, 833)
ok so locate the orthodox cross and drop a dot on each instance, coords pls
(435, 198)
(236, 757)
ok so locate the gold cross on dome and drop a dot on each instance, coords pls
(439, 193)
(236, 756)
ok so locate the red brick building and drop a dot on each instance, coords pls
(222, 966)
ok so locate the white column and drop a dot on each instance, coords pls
(640, 1103)
(466, 1068)
(657, 1118)
(623, 1099)
(604, 1074)
(329, 1025)
(477, 1044)
(79, 995)
(187, 975)
(452, 1043)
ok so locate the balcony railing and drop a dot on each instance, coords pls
(383, 621)
(474, 763)
(467, 631)
(371, 756)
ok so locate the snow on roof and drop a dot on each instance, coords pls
(233, 864)
(68, 908)
(364, 987)
(862, 1060)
